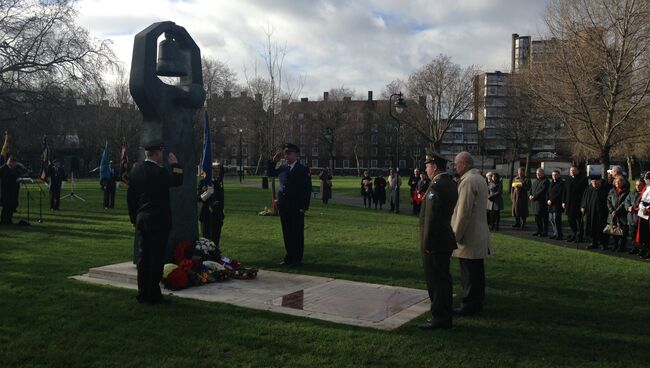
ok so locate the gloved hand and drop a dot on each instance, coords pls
(207, 194)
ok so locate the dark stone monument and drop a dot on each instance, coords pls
(168, 111)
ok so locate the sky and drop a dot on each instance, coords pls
(357, 44)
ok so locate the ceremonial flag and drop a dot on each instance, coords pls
(206, 160)
(45, 160)
(104, 166)
(124, 165)
(5, 148)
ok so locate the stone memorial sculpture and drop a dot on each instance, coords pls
(168, 111)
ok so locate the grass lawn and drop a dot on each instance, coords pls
(546, 306)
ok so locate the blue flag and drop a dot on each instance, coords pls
(206, 160)
(104, 166)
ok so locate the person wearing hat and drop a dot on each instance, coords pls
(472, 234)
(594, 208)
(292, 201)
(56, 176)
(211, 196)
(150, 213)
(109, 186)
(437, 240)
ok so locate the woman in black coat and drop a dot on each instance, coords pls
(617, 213)
(594, 207)
(379, 194)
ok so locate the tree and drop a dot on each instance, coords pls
(274, 85)
(218, 77)
(333, 115)
(449, 96)
(596, 71)
(43, 50)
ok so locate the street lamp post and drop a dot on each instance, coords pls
(399, 106)
(241, 160)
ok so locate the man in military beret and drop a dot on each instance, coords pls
(292, 201)
(437, 240)
(150, 214)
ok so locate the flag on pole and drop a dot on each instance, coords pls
(5, 148)
(206, 159)
(45, 160)
(104, 166)
(124, 165)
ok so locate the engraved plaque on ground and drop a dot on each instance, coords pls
(373, 303)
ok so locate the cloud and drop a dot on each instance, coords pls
(358, 44)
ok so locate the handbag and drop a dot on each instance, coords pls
(613, 229)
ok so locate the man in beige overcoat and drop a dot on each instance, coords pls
(472, 234)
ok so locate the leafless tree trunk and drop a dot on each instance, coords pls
(596, 71)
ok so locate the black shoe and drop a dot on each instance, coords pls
(571, 240)
(634, 250)
(464, 311)
(516, 225)
(552, 237)
(535, 234)
(544, 235)
(429, 326)
(591, 246)
(559, 238)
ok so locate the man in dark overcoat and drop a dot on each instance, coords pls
(150, 214)
(292, 201)
(554, 202)
(574, 188)
(519, 197)
(594, 207)
(437, 240)
(537, 196)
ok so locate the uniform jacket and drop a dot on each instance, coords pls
(574, 188)
(56, 177)
(468, 221)
(148, 195)
(295, 186)
(555, 195)
(616, 203)
(539, 191)
(215, 203)
(436, 234)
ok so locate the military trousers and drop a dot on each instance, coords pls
(151, 248)
(293, 232)
(438, 279)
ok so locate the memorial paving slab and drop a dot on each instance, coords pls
(340, 301)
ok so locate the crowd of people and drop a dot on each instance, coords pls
(605, 212)
(373, 191)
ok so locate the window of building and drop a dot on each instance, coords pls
(388, 139)
(373, 152)
(360, 163)
(233, 150)
(375, 129)
(388, 151)
(402, 164)
(373, 164)
(302, 128)
(314, 163)
(314, 151)
(244, 150)
(374, 139)
(233, 162)
(301, 115)
(244, 162)
(386, 163)
(225, 162)
(302, 139)
(346, 164)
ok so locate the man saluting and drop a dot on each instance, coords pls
(292, 202)
(437, 240)
(150, 214)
